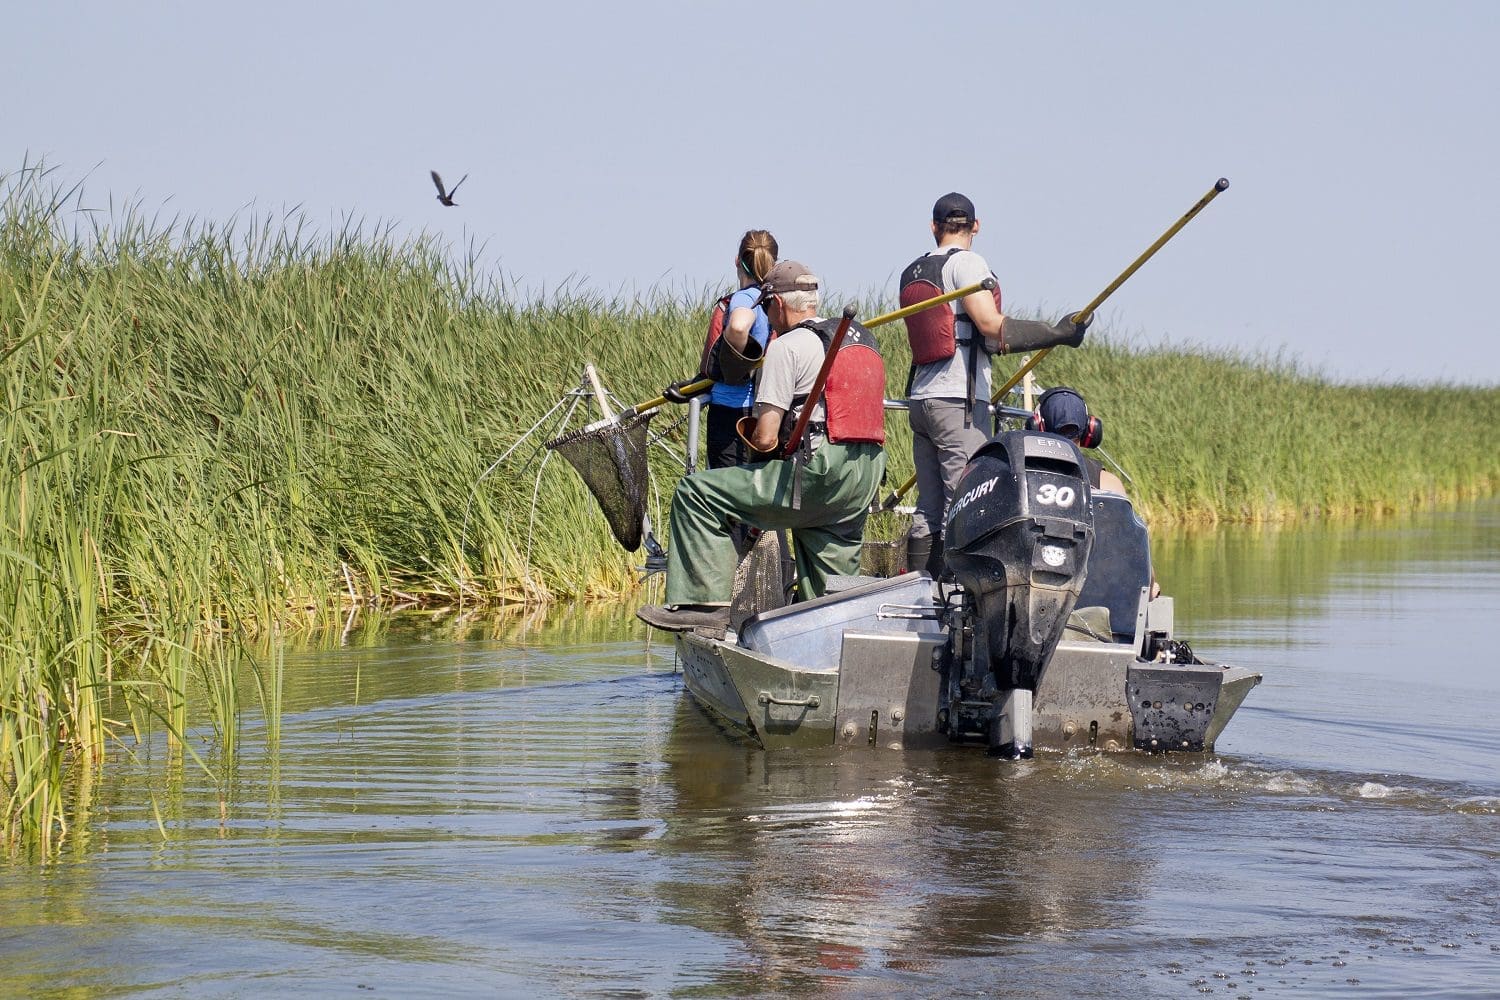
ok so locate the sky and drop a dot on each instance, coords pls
(623, 148)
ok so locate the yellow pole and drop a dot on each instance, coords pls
(1219, 185)
(1087, 311)
(986, 285)
(890, 317)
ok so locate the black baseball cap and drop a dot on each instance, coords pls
(1064, 411)
(953, 207)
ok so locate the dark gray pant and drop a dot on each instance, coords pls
(941, 447)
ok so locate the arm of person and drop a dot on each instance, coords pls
(988, 320)
(969, 268)
(767, 427)
(774, 392)
(737, 330)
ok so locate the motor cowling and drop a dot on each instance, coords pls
(1017, 538)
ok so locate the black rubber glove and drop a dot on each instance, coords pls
(727, 365)
(673, 393)
(1020, 335)
(1071, 330)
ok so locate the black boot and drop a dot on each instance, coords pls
(684, 617)
(935, 563)
(918, 552)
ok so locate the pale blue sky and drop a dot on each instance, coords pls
(628, 146)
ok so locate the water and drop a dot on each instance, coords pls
(539, 808)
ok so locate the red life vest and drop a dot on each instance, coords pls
(854, 394)
(934, 333)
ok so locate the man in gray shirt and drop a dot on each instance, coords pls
(822, 493)
(950, 379)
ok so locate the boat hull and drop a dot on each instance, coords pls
(886, 693)
(871, 662)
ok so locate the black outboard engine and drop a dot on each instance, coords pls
(1017, 540)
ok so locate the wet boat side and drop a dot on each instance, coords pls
(884, 693)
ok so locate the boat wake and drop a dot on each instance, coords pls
(1226, 776)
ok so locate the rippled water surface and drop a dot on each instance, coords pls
(538, 808)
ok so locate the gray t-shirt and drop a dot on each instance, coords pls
(790, 369)
(950, 379)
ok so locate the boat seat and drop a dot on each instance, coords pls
(1089, 625)
(839, 584)
(1119, 563)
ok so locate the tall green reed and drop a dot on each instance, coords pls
(213, 432)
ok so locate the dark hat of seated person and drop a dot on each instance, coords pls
(1064, 412)
(953, 207)
(787, 276)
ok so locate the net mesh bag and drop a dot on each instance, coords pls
(763, 579)
(611, 459)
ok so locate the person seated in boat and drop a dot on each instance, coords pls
(821, 492)
(1063, 411)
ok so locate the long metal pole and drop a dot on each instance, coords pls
(1087, 312)
(695, 417)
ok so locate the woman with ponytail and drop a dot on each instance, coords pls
(743, 320)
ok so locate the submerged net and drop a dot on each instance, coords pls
(612, 461)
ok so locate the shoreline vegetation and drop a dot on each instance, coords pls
(212, 435)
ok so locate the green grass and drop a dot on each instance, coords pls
(213, 434)
(1210, 437)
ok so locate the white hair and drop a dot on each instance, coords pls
(800, 301)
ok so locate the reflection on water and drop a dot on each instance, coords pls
(893, 864)
(532, 805)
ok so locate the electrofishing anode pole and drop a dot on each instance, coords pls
(703, 384)
(987, 285)
(1087, 312)
(1084, 315)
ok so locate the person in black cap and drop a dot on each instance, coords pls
(949, 385)
(1063, 411)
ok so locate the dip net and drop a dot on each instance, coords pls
(611, 459)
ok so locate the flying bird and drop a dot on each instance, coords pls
(445, 196)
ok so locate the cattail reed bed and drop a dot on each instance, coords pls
(212, 433)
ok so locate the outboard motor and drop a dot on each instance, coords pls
(1017, 541)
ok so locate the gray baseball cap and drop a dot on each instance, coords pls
(787, 276)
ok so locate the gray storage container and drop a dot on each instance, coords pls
(811, 634)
